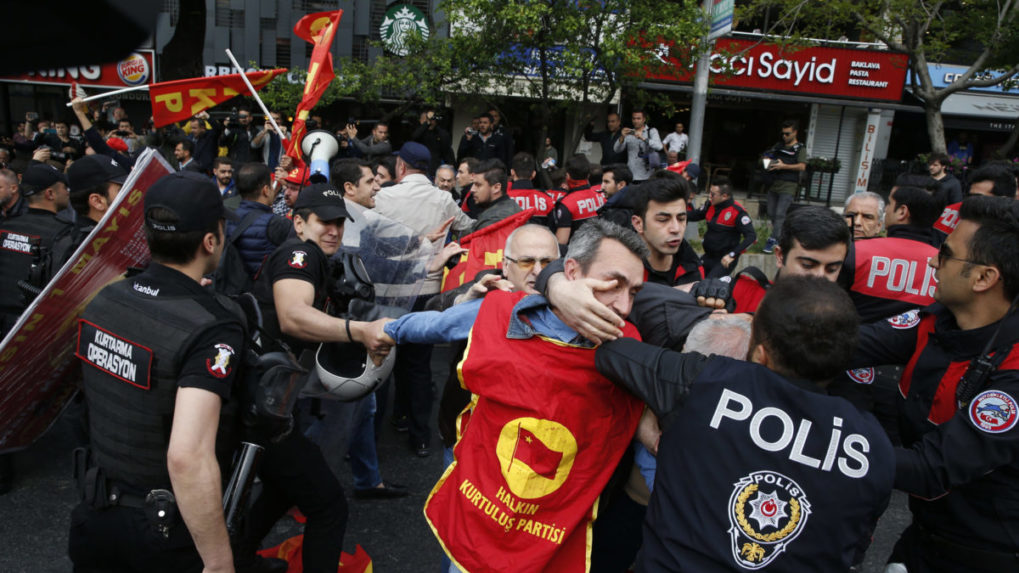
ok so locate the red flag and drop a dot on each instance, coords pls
(319, 29)
(533, 452)
(290, 551)
(484, 250)
(180, 99)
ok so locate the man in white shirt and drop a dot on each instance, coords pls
(677, 140)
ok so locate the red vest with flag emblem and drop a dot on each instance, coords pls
(546, 432)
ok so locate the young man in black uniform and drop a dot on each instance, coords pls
(580, 203)
(659, 217)
(45, 190)
(160, 355)
(292, 290)
(756, 464)
(961, 443)
(93, 183)
(730, 229)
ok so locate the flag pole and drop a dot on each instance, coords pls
(110, 94)
(254, 93)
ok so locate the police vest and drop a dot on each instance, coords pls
(796, 478)
(544, 438)
(787, 155)
(583, 205)
(17, 237)
(533, 199)
(724, 228)
(892, 276)
(132, 347)
(949, 219)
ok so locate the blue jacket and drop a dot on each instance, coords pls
(262, 237)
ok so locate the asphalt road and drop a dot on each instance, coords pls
(34, 517)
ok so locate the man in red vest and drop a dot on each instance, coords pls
(546, 430)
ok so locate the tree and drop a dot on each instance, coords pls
(555, 52)
(977, 33)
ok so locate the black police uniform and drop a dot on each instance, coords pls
(17, 239)
(294, 471)
(686, 268)
(754, 470)
(730, 232)
(139, 340)
(960, 465)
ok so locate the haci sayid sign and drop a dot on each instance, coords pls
(837, 72)
(136, 69)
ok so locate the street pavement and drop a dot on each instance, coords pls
(34, 517)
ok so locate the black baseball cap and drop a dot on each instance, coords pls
(192, 197)
(40, 176)
(93, 170)
(324, 200)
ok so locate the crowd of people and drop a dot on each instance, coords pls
(618, 395)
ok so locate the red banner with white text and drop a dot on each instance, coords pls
(37, 365)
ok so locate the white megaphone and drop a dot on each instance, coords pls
(319, 147)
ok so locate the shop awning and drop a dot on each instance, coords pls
(982, 105)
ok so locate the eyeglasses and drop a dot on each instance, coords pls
(945, 253)
(526, 263)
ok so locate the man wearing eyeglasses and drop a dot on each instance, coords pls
(959, 428)
(788, 160)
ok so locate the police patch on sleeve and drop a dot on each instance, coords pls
(767, 510)
(861, 375)
(118, 357)
(298, 259)
(17, 242)
(905, 320)
(994, 412)
(745, 220)
(221, 364)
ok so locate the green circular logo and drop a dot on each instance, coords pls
(401, 21)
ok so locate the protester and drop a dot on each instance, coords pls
(865, 214)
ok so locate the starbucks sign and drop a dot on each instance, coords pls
(401, 21)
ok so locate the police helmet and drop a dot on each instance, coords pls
(347, 373)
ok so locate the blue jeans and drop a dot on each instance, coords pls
(349, 427)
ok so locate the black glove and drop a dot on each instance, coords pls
(720, 288)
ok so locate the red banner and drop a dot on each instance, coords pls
(290, 551)
(181, 99)
(135, 70)
(319, 29)
(37, 365)
(839, 72)
(484, 250)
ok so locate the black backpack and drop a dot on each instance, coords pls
(231, 278)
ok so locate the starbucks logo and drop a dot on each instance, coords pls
(400, 23)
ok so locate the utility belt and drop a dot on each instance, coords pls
(985, 559)
(100, 493)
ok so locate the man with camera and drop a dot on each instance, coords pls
(238, 134)
(438, 141)
(269, 142)
(375, 145)
(641, 143)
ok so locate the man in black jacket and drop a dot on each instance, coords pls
(607, 139)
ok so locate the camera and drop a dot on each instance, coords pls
(122, 133)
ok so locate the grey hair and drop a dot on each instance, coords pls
(445, 166)
(585, 242)
(508, 252)
(871, 195)
(724, 336)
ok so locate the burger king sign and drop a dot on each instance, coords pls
(138, 68)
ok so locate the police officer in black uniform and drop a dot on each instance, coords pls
(757, 466)
(93, 183)
(27, 241)
(159, 356)
(959, 417)
(292, 291)
(730, 229)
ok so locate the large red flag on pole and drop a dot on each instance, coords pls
(319, 29)
(180, 99)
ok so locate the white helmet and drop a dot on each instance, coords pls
(346, 373)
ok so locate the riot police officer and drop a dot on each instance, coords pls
(27, 240)
(160, 356)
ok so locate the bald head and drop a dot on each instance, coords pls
(528, 249)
